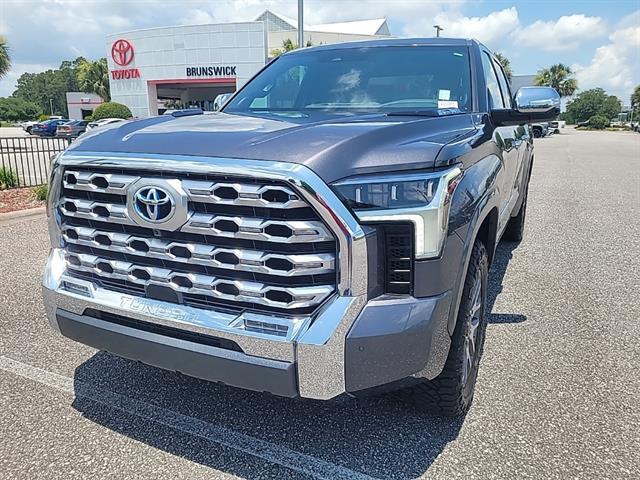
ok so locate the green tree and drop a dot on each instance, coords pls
(49, 88)
(287, 46)
(635, 103)
(593, 102)
(598, 122)
(94, 77)
(5, 59)
(506, 65)
(560, 77)
(111, 110)
(17, 109)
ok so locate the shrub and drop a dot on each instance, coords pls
(8, 178)
(598, 122)
(111, 110)
(42, 117)
(88, 118)
(40, 192)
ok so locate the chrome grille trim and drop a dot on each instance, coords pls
(83, 180)
(258, 228)
(195, 283)
(90, 210)
(201, 254)
(246, 194)
(248, 228)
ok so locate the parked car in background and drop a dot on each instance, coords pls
(27, 126)
(103, 122)
(220, 100)
(540, 129)
(554, 127)
(72, 129)
(48, 127)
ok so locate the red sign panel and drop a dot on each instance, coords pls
(122, 52)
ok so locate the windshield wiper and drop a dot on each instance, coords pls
(419, 113)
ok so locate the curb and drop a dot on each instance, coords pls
(20, 214)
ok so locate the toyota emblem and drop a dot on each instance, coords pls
(154, 204)
(122, 52)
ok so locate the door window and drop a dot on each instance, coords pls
(493, 86)
(504, 84)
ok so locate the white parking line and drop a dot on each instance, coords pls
(268, 451)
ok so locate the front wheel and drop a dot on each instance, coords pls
(451, 393)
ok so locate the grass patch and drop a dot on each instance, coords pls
(8, 178)
(40, 192)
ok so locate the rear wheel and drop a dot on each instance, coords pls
(451, 392)
(29, 130)
(537, 133)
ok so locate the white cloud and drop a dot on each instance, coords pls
(566, 33)
(488, 29)
(614, 66)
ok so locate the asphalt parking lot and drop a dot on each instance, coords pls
(558, 395)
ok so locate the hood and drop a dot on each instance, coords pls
(334, 148)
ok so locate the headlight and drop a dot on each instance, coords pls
(422, 199)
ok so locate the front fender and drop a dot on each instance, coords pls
(477, 196)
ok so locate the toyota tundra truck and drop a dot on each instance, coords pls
(327, 234)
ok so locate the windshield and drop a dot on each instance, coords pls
(354, 80)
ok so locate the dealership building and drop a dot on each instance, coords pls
(156, 69)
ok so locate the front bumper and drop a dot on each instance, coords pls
(350, 345)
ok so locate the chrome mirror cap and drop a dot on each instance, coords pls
(537, 100)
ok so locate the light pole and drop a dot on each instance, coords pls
(51, 105)
(438, 29)
(300, 24)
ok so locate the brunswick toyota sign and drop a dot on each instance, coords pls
(187, 66)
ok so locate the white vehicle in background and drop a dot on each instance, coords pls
(27, 126)
(103, 122)
(221, 99)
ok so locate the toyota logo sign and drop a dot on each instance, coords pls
(122, 52)
(154, 204)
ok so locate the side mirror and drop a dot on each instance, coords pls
(538, 101)
(531, 104)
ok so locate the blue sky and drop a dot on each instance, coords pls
(599, 39)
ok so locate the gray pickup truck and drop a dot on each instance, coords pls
(328, 233)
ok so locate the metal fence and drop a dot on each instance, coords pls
(24, 161)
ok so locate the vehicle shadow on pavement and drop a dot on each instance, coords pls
(376, 436)
(503, 255)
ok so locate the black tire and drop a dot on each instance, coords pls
(514, 232)
(451, 393)
(29, 130)
(537, 133)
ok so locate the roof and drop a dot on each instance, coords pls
(377, 26)
(390, 42)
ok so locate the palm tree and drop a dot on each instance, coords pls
(94, 77)
(5, 59)
(506, 65)
(560, 77)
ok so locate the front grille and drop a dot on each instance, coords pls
(399, 258)
(246, 243)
